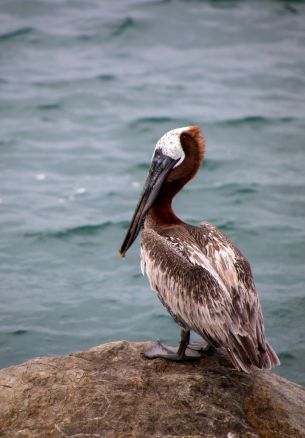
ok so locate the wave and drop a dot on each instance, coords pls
(228, 226)
(125, 24)
(212, 164)
(140, 166)
(115, 30)
(232, 188)
(243, 190)
(254, 120)
(89, 229)
(286, 356)
(49, 106)
(144, 122)
(66, 82)
(18, 332)
(106, 77)
(239, 189)
(16, 33)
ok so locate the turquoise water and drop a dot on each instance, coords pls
(86, 90)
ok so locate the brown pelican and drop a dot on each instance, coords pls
(201, 278)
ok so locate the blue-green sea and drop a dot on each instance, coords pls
(87, 87)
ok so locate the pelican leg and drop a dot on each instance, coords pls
(180, 354)
(184, 341)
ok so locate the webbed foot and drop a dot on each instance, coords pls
(193, 351)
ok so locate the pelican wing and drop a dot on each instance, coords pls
(206, 284)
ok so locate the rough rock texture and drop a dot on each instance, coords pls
(111, 391)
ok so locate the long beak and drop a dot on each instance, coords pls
(160, 167)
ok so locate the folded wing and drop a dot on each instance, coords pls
(206, 284)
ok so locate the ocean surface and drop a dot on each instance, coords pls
(86, 90)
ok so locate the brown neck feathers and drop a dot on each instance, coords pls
(193, 144)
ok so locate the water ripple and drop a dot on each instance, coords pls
(125, 24)
(16, 33)
(147, 122)
(49, 106)
(106, 77)
(89, 229)
(18, 332)
(254, 120)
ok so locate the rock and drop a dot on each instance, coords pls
(111, 391)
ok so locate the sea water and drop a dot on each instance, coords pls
(86, 90)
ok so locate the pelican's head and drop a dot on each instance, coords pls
(170, 145)
(177, 155)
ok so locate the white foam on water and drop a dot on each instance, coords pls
(40, 176)
(80, 190)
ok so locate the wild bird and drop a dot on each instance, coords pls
(201, 278)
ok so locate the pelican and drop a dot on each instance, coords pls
(201, 278)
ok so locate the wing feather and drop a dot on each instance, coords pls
(206, 285)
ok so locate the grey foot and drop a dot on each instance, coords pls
(194, 351)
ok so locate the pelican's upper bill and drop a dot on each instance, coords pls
(170, 144)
